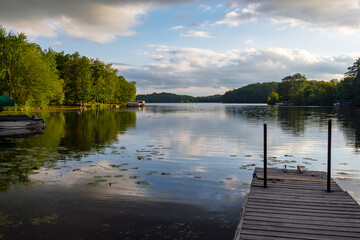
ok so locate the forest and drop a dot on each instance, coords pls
(37, 78)
(296, 89)
(174, 98)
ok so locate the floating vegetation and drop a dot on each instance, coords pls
(148, 158)
(310, 159)
(100, 180)
(229, 178)
(151, 173)
(7, 164)
(135, 168)
(4, 170)
(124, 169)
(247, 166)
(343, 164)
(165, 173)
(6, 222)
(119, 176)
(140, 157)
(234, 155)
(142, 183)
(76, 170)
(248, 155)
(287, 155)
(134, 177)
(197, 177)
(88, 162)
(44, 220)
(92, 184)
(150, 145)
(123, 148)
(114, 165)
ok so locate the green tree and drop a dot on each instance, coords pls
(40, 84)
(356, 89)
(273, 98)
(12, 60)
(325, 93)
(344, 89)
(354, 69)
(290, 86)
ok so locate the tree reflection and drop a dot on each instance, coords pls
(67, 135)
(349, 119)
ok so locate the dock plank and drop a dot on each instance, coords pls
(297, 206)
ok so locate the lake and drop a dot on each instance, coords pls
(167, 171)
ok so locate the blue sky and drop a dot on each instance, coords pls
(197, 47)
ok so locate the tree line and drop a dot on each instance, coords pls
(36, 78)
(296, 89)
(174, 98)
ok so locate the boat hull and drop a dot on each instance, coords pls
(20, 121)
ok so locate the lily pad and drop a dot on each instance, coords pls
(143, 183)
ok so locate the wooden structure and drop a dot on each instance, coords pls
(297, 206)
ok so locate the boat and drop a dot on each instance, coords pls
(17, 121)
(20, 121)
(138, 103)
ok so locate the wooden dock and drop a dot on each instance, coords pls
(297, 206)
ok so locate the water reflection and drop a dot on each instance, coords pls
(67, 136)
(176, 168)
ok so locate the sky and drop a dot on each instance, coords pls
(193, 47)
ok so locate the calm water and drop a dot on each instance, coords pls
(170, 171)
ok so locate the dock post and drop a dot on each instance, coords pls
(329, 158)
(265, 155)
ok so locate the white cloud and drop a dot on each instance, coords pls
(325, 14)
(177, 27)
(200, 34)
(205, 8)
(99, 21)
(182, 70)
(239, 16)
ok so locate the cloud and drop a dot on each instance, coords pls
(205, 8)
(190, 25)
(200, 34)
(239, 16)
(177, 27)
(344, 15)
(99, 21)
(187, 70)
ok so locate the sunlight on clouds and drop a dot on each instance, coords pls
(105, 25)
(85, 19)
(328, 14)
(208, 72)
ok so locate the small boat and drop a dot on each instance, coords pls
(138, 103)
(20, 121)
(17, 121)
